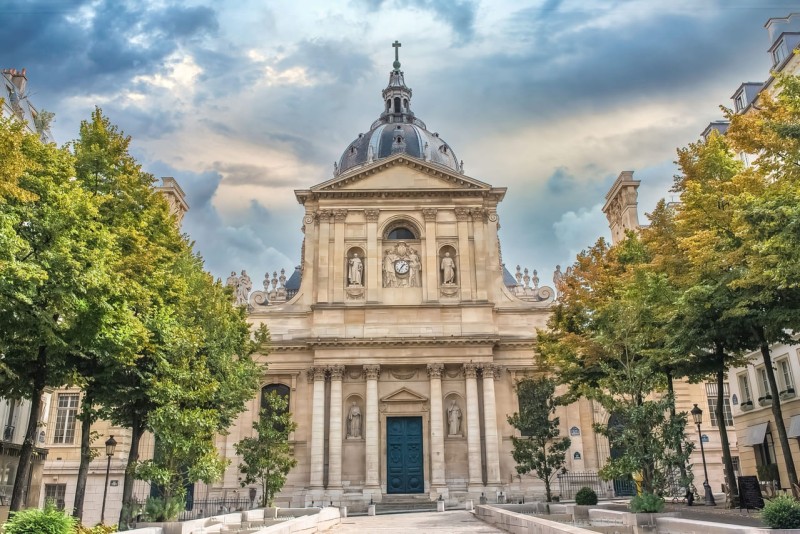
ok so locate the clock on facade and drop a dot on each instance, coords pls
(401, 266)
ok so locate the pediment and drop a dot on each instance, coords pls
(401, 172)
(404, 395)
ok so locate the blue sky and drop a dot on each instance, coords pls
(245, 101)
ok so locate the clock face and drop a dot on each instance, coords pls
(401, 266)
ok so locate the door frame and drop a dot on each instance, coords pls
(405, 403)
(422, 437)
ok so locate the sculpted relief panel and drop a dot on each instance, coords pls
(401, 266)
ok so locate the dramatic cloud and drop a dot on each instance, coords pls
(244, 104)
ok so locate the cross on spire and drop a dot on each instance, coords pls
(396, 63)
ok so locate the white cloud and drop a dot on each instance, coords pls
(576, 231)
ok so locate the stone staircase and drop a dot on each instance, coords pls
(393, 504)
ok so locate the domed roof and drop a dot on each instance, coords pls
(397, 130)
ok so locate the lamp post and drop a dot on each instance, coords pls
(697, 415)
(111, 444)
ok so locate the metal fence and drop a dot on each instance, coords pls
(569, 483)
(200, 508)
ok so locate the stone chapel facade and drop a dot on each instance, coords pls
(400, 349)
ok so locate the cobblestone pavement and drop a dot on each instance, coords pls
(457, 521)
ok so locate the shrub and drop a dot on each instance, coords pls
(782, 511)
(647, 503)
(161, 509)
(586, 496)
(50, 520)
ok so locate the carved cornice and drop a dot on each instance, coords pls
(435, 370)
(462, 214)
(471, 370)
(372, 372)
(429, 214)
(401, 342)
(372, 215)
(337, 372)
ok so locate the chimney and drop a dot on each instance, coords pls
(20, 80)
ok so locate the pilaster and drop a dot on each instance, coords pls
(464, 254)
(338, 257)
(437, 426)
(335, 432)
(473, 426)
(323, 263)
(373, 256)
(371, 434)
(431, 277)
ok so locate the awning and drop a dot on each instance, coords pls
(794, 427)
(755, 435)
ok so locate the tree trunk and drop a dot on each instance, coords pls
(86, 418)
(547, 490)
(777, 411)
(137, 430)
(673, 414)
(727, 461)
(26, 453)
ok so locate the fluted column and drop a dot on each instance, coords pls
(371, 432)
(437, 425)
(473, 426)
(317, 375)
(490, 426)
(335, 432)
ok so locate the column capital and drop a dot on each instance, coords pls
(372, 372)
(315, 373)
(337, 372)
(471, 370)
(372, 215)
(435, 370)
(429, 214)
(340, 215)
(491, 370)
(324, 215)
(462, 214)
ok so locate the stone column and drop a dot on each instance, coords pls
(335, 432)
(339, 256)
(430, 274)
(437, 426)
(473, 426)
(490, 372)
(464, 274)
(373, 257)
(317, 375)
(371, 431)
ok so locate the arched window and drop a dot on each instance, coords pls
(401, 232)
(397, 104)
(281, 389)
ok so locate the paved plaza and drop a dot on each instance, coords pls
(424, 522)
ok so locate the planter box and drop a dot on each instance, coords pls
(746, 406)
(765, 401)
(787, 394)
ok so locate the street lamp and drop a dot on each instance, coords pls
(111, 444)
(697, 415)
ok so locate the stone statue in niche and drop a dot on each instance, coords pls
(243, 289)
(355, 271)
(454, 419)
(401, 266)
(354, 422)
(448, 267)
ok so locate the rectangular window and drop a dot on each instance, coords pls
(65, 418)
(779, 54)
(744, 388)
(739, 101)
(764, 382)
(55, 493)
(786, 375)
(711, 394)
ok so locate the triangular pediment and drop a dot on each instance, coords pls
(401, 172)
(404, 395)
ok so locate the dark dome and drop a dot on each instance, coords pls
(396, 131)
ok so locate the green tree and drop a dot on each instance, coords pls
(539, 449)
(267, 458)
(57, 292)
(606, 340)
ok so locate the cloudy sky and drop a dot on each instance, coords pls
(245, 101)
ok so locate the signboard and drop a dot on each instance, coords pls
(750, 493)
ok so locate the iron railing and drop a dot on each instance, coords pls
(201, 508)
(570, 482)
